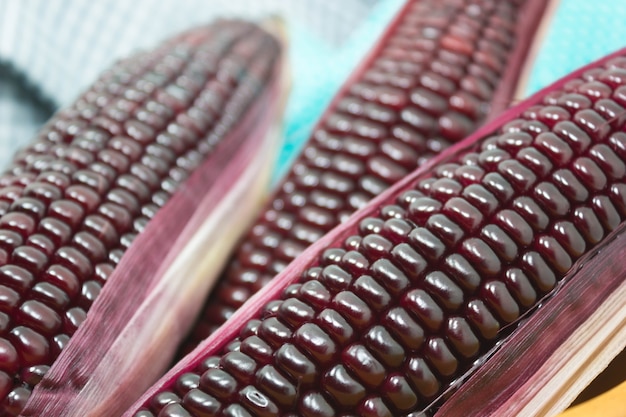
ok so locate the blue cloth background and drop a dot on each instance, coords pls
(581, 32)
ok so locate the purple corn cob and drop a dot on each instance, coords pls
(468, 276)
(430, 81)
(147, 141)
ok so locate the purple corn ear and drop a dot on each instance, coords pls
(462, 290)
(100, 207)
(435, 75)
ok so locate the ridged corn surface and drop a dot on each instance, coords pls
(428, 86)
(386, 320)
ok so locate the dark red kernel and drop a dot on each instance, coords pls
(51, 295)
(31, 258)
(9, 299)
(32, 347)
(16, 277)
(200, 404)
(21, 223)
(39, 317)
(218, 384)
(42, 243)
(342, 387)
(63, 278)
(68, 212)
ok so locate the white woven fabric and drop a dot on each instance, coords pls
(581, 32)
(20, 111)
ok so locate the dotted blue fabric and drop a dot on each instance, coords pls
(581, 32)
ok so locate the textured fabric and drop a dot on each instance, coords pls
(22, 109)
(580, 32)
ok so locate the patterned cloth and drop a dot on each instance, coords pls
(22, 110)
(50, 51)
